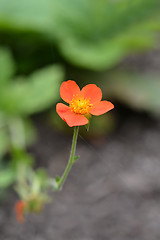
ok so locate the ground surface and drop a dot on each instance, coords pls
(112, 193)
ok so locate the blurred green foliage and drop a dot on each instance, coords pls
(94, 34)
(98, 34)
(89, 38)
(139, 91)
(19, 97)
(31, 185)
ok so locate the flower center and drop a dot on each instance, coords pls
(80, 105)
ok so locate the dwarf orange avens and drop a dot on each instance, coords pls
(82, 103)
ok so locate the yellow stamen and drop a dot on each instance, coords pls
(80, 105)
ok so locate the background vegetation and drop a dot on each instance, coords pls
(44, 42)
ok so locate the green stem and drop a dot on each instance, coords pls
(71, 159)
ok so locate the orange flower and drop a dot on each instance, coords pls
(19, 209)
(82, 103)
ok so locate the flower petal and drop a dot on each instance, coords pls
(101, 108)
(93, 92)
(19, 209)
(62, 109)
(72, 119)
(68, 89)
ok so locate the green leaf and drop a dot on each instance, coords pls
(139, 91)
(7, 177)
(21, 132)
(20, 15)
(76, 158)
(29, 131)
(42, 177)
(34, 94)
(7, 66)
(89, 33)
(98, 34)
(4, 142)
(21, 161)
(57, 179)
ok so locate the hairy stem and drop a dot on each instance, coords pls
(71, 159)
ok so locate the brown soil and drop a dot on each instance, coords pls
(112, 192)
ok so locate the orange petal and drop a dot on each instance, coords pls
(101, 108)
(19, 209)
(68, 89)
(62, 109)
(93, 92)
(72, 119)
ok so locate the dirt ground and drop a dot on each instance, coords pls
(112, 193)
